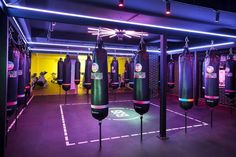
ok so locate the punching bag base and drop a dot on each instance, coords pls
(141, 107)
(211, 102)
(66, 87)
(99, 114)
(186, 105)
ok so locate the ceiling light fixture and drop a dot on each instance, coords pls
(121, 3)
(168, 12)
(217, 18)
(120, 34)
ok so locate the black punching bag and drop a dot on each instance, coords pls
(115, 74)
(230, 77)
(212, 63)
(186, 79)
(126, 74)
(60, 71)
(66, 74)
(99, 91)
(27, 74)
(171, 73)
(141, 81)
(21, 78)
(87, 75)
(77, 72)
(13, 66)
(131, 73)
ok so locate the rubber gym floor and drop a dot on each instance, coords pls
(48, 127)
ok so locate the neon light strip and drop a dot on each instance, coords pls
(86, 46)
(76, 51)
(201, 47)
(21, 32)
(116, 21)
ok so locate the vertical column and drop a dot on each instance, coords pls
(3, 78)
(163, 84)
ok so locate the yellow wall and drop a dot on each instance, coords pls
(48, 62)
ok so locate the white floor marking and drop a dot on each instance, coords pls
(19, 114)
(131, 135)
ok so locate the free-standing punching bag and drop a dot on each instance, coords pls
(126, 74)
(115, 74)
(186, 98)
(99, 90)
(66, 74)
(99, 97)
(60, 72)
(212, 62)
(141, 82)
(87, 75)
(77, 72)
(13, 66)
(230, 76)
(131, 73)
(171, 73)
(21, 78)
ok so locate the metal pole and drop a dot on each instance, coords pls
(211, 117)
(141, 128)
(100, 135)
(3, 78)
(163, 84)
(185, 117)
(196, 79)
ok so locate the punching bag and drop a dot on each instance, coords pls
(77, 72)
(87, 75)
(60, 71)
(212, 62)
(27, 74)
(203, 75)
(13, 66)
(99, 91)
(66, 74)
(131, 73)
(115, 74)
(171, 73)
(230, 77)
(21, 78)
(126, 74)
(186, 79)
(141, 81)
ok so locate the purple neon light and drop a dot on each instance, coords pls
(116, 21)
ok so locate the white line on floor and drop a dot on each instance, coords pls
(19, 114)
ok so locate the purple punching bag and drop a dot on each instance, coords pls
(87, 75)
(66, 74)
(230, 76)
(77, 72)
(171, 73)
(131, 73)
(21, 78)
(13, 66)
(115, 74)
(126, 74)
(60, 71)
(212, 63)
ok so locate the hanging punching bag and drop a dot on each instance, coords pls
(186, 79)
(115, 74)
(21, 78)
(141, 80)
(60, 71)
(230, 77)
(13, 66)
(99, 96)
(27, 74)
(66, 74)
(126, 74)
(171, 73)
(131, 73)
(77, 72)
(212, 62)
(87, 75)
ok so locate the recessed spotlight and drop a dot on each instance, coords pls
(168, 12)
(121, 3)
